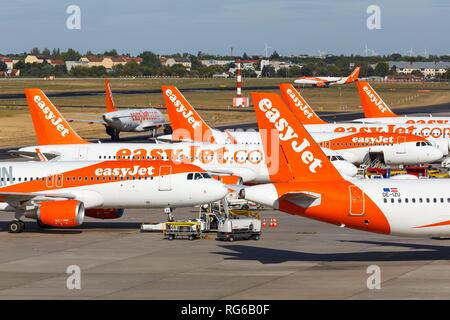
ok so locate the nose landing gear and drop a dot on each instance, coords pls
(113, 133)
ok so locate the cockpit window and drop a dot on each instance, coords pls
(206, 176)
(190, 176)
(198, 176)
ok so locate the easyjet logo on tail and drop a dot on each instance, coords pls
(375, 99)
(56, 121)
(181, 109)
(299, 104)
(287, 133)
(301, 109)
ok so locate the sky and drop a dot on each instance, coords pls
(171, 26)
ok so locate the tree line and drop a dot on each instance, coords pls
(330, 65)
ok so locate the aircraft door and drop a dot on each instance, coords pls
(356, 201)
(401, 144)
(165, 183)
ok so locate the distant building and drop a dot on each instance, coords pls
(428, 69)
(214, 62)
(36, 59)
(277, 65)
(169, 62)
(57, 62)
(108, 62)
(71, 64)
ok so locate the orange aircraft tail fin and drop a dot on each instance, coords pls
(110, 105)
(186, 123)
(371, 102)
(49, 125)
(301, 109)
(304, 156)
(353, 76)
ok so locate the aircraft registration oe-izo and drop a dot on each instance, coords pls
(437, 134)
(61, 143)
(128, 120)
(328, 81)
(61, 194)
(317, 191)
(376, 110)
(392, 148)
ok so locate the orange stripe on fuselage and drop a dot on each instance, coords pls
(89, 174)
(437, 224)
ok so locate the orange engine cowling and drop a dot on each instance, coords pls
(64, 213)
(101, 213)
(229, 179)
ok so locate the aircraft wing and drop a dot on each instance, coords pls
(31, 154)
(302, 199)
(87, 121)
(16, 199)
(149, 125)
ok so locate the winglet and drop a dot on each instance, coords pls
(185, 121)
(371, 102)
(301, 109)
(353, 76)
(49, 125)
(304, 156)
(110, 105)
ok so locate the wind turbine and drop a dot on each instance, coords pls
(410, 52)
(266, 49)
(368, 51)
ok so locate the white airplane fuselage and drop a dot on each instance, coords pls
(244, 160)
(98, 185)
(134, 120)
(405, 153)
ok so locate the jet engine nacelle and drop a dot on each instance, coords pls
(101, 213)
(63, 213)
(265, 194)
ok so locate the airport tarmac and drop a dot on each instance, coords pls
(300, 259)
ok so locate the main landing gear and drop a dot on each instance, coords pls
(113, 133)
(16, 226)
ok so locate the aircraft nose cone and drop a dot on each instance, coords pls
(437, 154)
(217, 191)
(350, 169)
(106, 118)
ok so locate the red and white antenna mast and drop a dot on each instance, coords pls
(239, 101)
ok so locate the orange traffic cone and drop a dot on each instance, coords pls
(275, 223)
(264, 223)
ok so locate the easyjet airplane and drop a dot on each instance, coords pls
(60, 194)
(329, 81)
(376, 110)
(130, 120)
(437, 134)
(393, 148)
(58, 141)
(317, 191)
